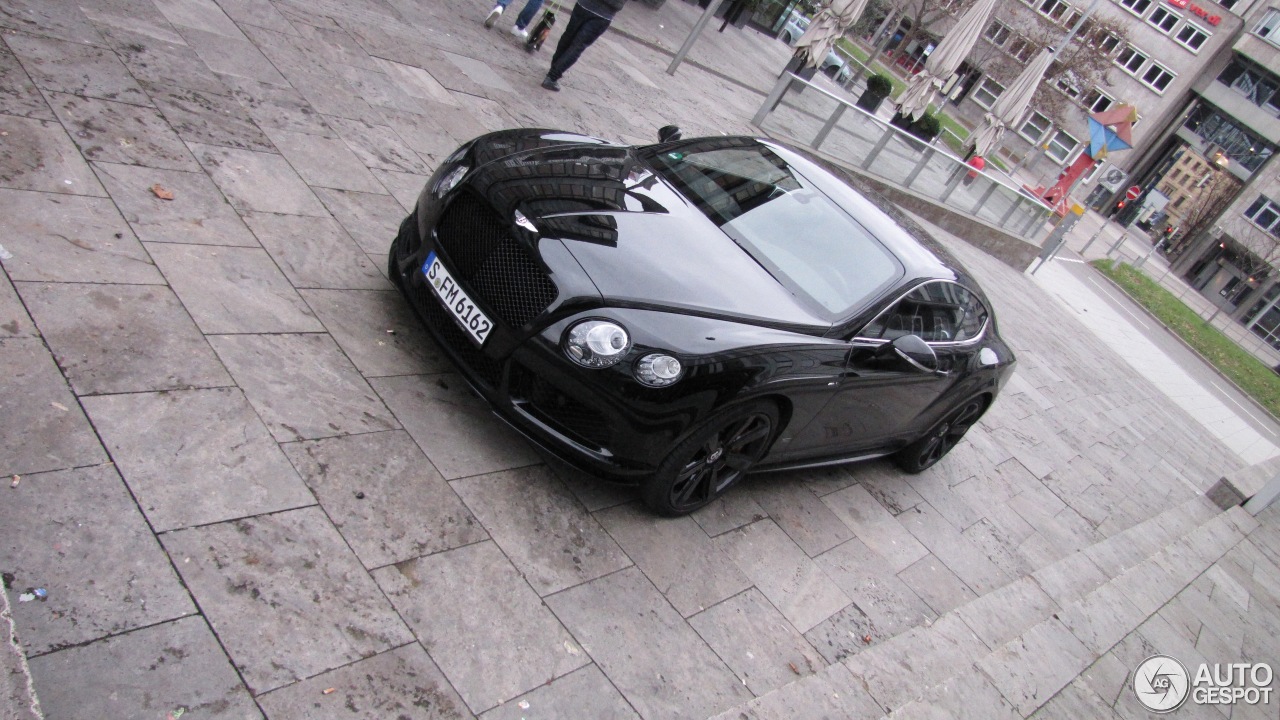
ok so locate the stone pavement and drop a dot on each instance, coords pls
(253, 488)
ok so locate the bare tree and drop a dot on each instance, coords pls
(1201, 211)
(925, 14)
(1254, 252)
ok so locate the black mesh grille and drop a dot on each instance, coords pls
(480, 252)
(557, 409)
(486, 369)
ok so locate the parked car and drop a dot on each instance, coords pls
(833, 66)
(677, 315)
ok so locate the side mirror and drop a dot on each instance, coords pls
(667, 133)
(914, 352)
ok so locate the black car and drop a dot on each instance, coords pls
(676, 315)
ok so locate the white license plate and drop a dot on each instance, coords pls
(457, 302)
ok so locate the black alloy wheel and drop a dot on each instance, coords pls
(711, 460)
(942, 437)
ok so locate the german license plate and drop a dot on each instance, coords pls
(457, 302)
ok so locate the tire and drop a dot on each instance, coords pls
(717, 455)
(942, 437)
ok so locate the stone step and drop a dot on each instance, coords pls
(1023, 641)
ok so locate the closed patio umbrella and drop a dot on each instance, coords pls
(827, 26)
(945, 59)
(1011, 105)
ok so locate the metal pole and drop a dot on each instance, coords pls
(775, 96)
(1123, 237)
(693, 35)
(1095, 237)
(875, 151)
(915, 172)
(831, 123)
(1074, 29)
(985, 197)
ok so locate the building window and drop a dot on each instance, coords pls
(987, 92)
(1067, 83)
(1061, 145)
(1096, 101)
(1265, 213)
(1269, 26)
(1241, 145)
(1097, 36)
(1131, 59)
(1022, 49)
(1157, 78)
(1258, 85)
(1034, 128)
(1137, 7)
(1192, 37)
(997, 33)
(1163, 20)
(1055, 10)
(1228, 4)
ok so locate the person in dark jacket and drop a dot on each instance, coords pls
(588, 21)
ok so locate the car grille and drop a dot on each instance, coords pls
(486, 369)
(481, 252)
(546, 402)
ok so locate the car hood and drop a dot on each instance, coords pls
(641, 243)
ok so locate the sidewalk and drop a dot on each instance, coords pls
(252, 488)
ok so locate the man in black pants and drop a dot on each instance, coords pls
(589, 20)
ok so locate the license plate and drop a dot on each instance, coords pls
(457, 302)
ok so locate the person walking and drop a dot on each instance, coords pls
(521, 28)
(587, 22)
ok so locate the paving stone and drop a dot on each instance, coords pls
(472, 598)
(648, 652)
(315, 252)
(730, 511)
(75, 68)
(888, 486)
(1101, 619)
(398, 683)
(825, 480)
(372, 220)
(1033, 667)
(377, 330)
(1070, 578)
(843, 634)
(384, 496)
(594, 493)
(827, 695)
(286, 597)
(379, 91)
(209, 118)
(967, 559)
(801, 514)
(453, 427)
(233, 289)
(936, 585)
(756, 642)
(1003, 614)
(325, 162)
(71, 239)
(198, 214)
(199, 14)
(41, 425)
(540, 526)
(404, 187)
(325, 396)
(781, 570)
(258, 182)
(875, 526)
(258, 13)
(277, 108)
(891, 671)
(378, 146)
(327, 98)
(677, 557)
(196, 457)
(14, 320)
(155, 53)
(231, 56)
(1105, 678)
(151, 672)
(121, 133)
(94, 554)
(969, 695)
(18, 95)
(38, 155)
(892, 606)
(122, 338)
(1075, 701)
(583, 693)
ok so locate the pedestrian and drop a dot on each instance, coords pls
(978, 163)
(521, 28)
(588, 21)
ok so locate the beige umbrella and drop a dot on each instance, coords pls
(827, 26)
(1012, 104)
(945, 59)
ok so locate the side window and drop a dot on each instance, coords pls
(936, 312)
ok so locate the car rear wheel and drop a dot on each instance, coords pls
(711, 460)
(928, 450)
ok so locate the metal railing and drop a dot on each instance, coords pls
(806, 114)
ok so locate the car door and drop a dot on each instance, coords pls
(881, 400)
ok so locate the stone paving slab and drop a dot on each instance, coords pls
(71, 239)
(41, 425)
(197, 214)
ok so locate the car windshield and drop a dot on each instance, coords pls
(798, 234)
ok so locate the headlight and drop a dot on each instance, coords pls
(450, 181)
(658, 370)
(596, 343)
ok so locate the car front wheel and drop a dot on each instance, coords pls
(928, 450)
(711, 460)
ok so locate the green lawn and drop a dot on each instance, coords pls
(1254, 378)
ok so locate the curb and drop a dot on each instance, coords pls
(1185, 344)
